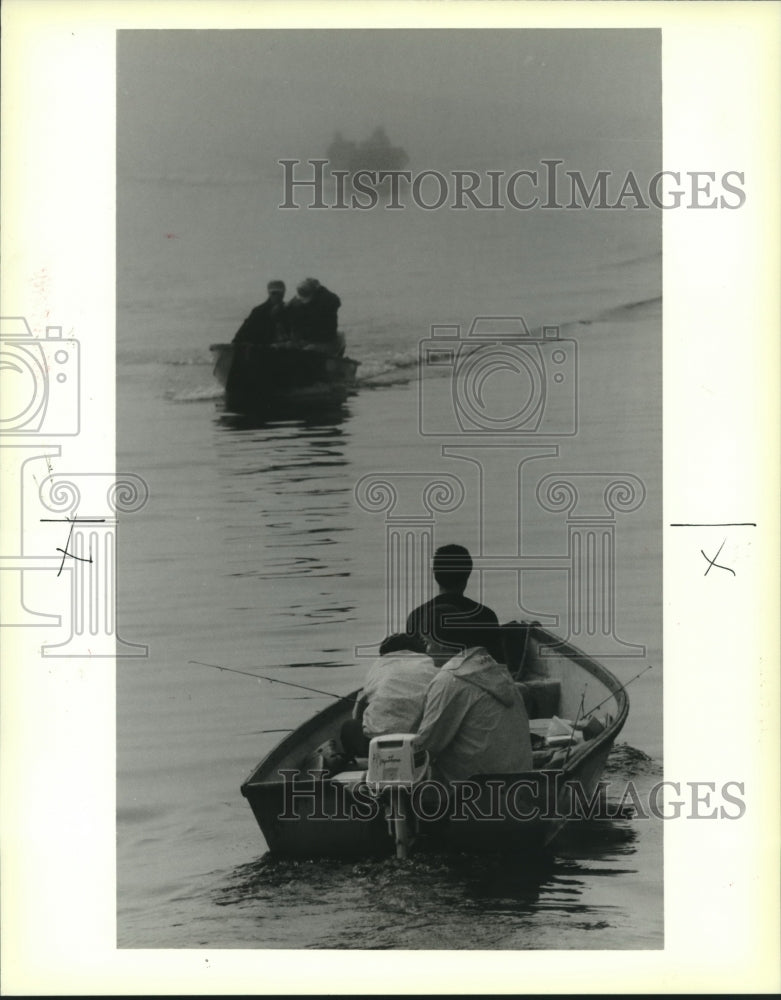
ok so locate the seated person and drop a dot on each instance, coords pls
(310, 318)
(450, 610)
(474, 720)
(264, 325)
(392, 697)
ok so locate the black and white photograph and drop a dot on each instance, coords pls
(388, 311)
(407, 581)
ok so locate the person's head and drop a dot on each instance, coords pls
(440, 652)
(452, 566)
(276, 290)
(401, 642)
(307, 289)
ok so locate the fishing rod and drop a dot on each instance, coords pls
(273, 680)
(621, 687)
(262, 732)
(581, 707)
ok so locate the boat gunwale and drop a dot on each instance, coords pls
(562, 649)
(294, 736)
(219, 349)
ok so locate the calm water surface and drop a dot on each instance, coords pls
(252, 552)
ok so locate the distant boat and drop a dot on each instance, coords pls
(374, 153)
(281, 378)
(328, 814)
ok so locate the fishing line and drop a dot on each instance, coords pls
(274, 680)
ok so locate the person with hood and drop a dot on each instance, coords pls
(310, 317)
(474, 719)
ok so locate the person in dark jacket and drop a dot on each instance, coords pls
(264, 325)
(449, 616)
(310, 318)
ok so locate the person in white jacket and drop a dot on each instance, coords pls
(393, 694)
(474, 719)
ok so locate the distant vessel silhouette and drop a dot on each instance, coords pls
(374, 153)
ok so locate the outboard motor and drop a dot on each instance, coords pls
(394, 769)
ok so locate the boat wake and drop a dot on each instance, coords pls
(200, 394)
(434, 900)
(391, 369)
(397, 368)
(633, 310)
(394, 369)
(626, 761)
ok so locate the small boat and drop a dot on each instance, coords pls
(310, 801)
(281, 377)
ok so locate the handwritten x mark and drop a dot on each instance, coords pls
(712, 562)
(73, 520)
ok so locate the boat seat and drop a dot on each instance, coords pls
(349, 778)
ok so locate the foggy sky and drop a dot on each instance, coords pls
(212, 102)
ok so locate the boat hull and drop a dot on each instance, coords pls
(305, 813)
(278, 378)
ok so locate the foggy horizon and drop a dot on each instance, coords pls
(234, 102)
